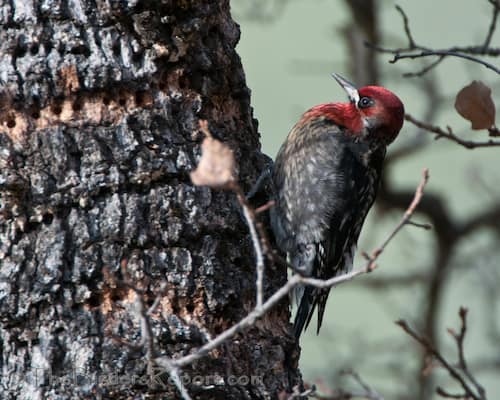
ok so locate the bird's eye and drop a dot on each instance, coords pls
(365, 102)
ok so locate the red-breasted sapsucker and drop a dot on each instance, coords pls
(325, 179)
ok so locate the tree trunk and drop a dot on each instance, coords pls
(100, 105)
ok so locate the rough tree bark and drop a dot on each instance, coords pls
(100, 103)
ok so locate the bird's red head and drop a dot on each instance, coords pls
(382, 112)
(373, 112)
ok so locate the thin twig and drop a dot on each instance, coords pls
(433, 351)
(419, 225)
(370, 393)
(460, 338)
(470, 53)
(493, 24)
(406, 22)
(249, 214)
(173, 372)
(444, 53)
(443, 393)
(146, 332)
(441, 133)
(424, 70)
(472, 50)
(147, 340)
(404, 220)
(479, 393)
(255, 314)
(158, 298)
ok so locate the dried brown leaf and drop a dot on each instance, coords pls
(475, 104)
(216, 168)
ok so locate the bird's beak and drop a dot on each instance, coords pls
(351, 90)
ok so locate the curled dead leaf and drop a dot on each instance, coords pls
(475, 104)
(216, 168)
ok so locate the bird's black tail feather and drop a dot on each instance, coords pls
(304, 312)
(311, 298)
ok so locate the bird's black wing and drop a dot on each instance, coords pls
(356, 171)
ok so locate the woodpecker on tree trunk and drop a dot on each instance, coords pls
(325, 179)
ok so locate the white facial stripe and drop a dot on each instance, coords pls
(353, 94)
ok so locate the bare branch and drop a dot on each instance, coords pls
(461, 357)
(470, 53)
(475, 392)
(250, 319)
(173, 371)
(411, 41)
(442, 53)
(419, 225)
(147, 340)
(250, 218)
(443, 393)
(493, 24)
(370, 393)
(441, 133)
(158, 298)
(404, 220)
(424, 70)
(295, 280)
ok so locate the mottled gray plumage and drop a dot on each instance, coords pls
(325, 185)
(325, 179)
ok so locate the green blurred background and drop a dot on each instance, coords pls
(288, 50)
